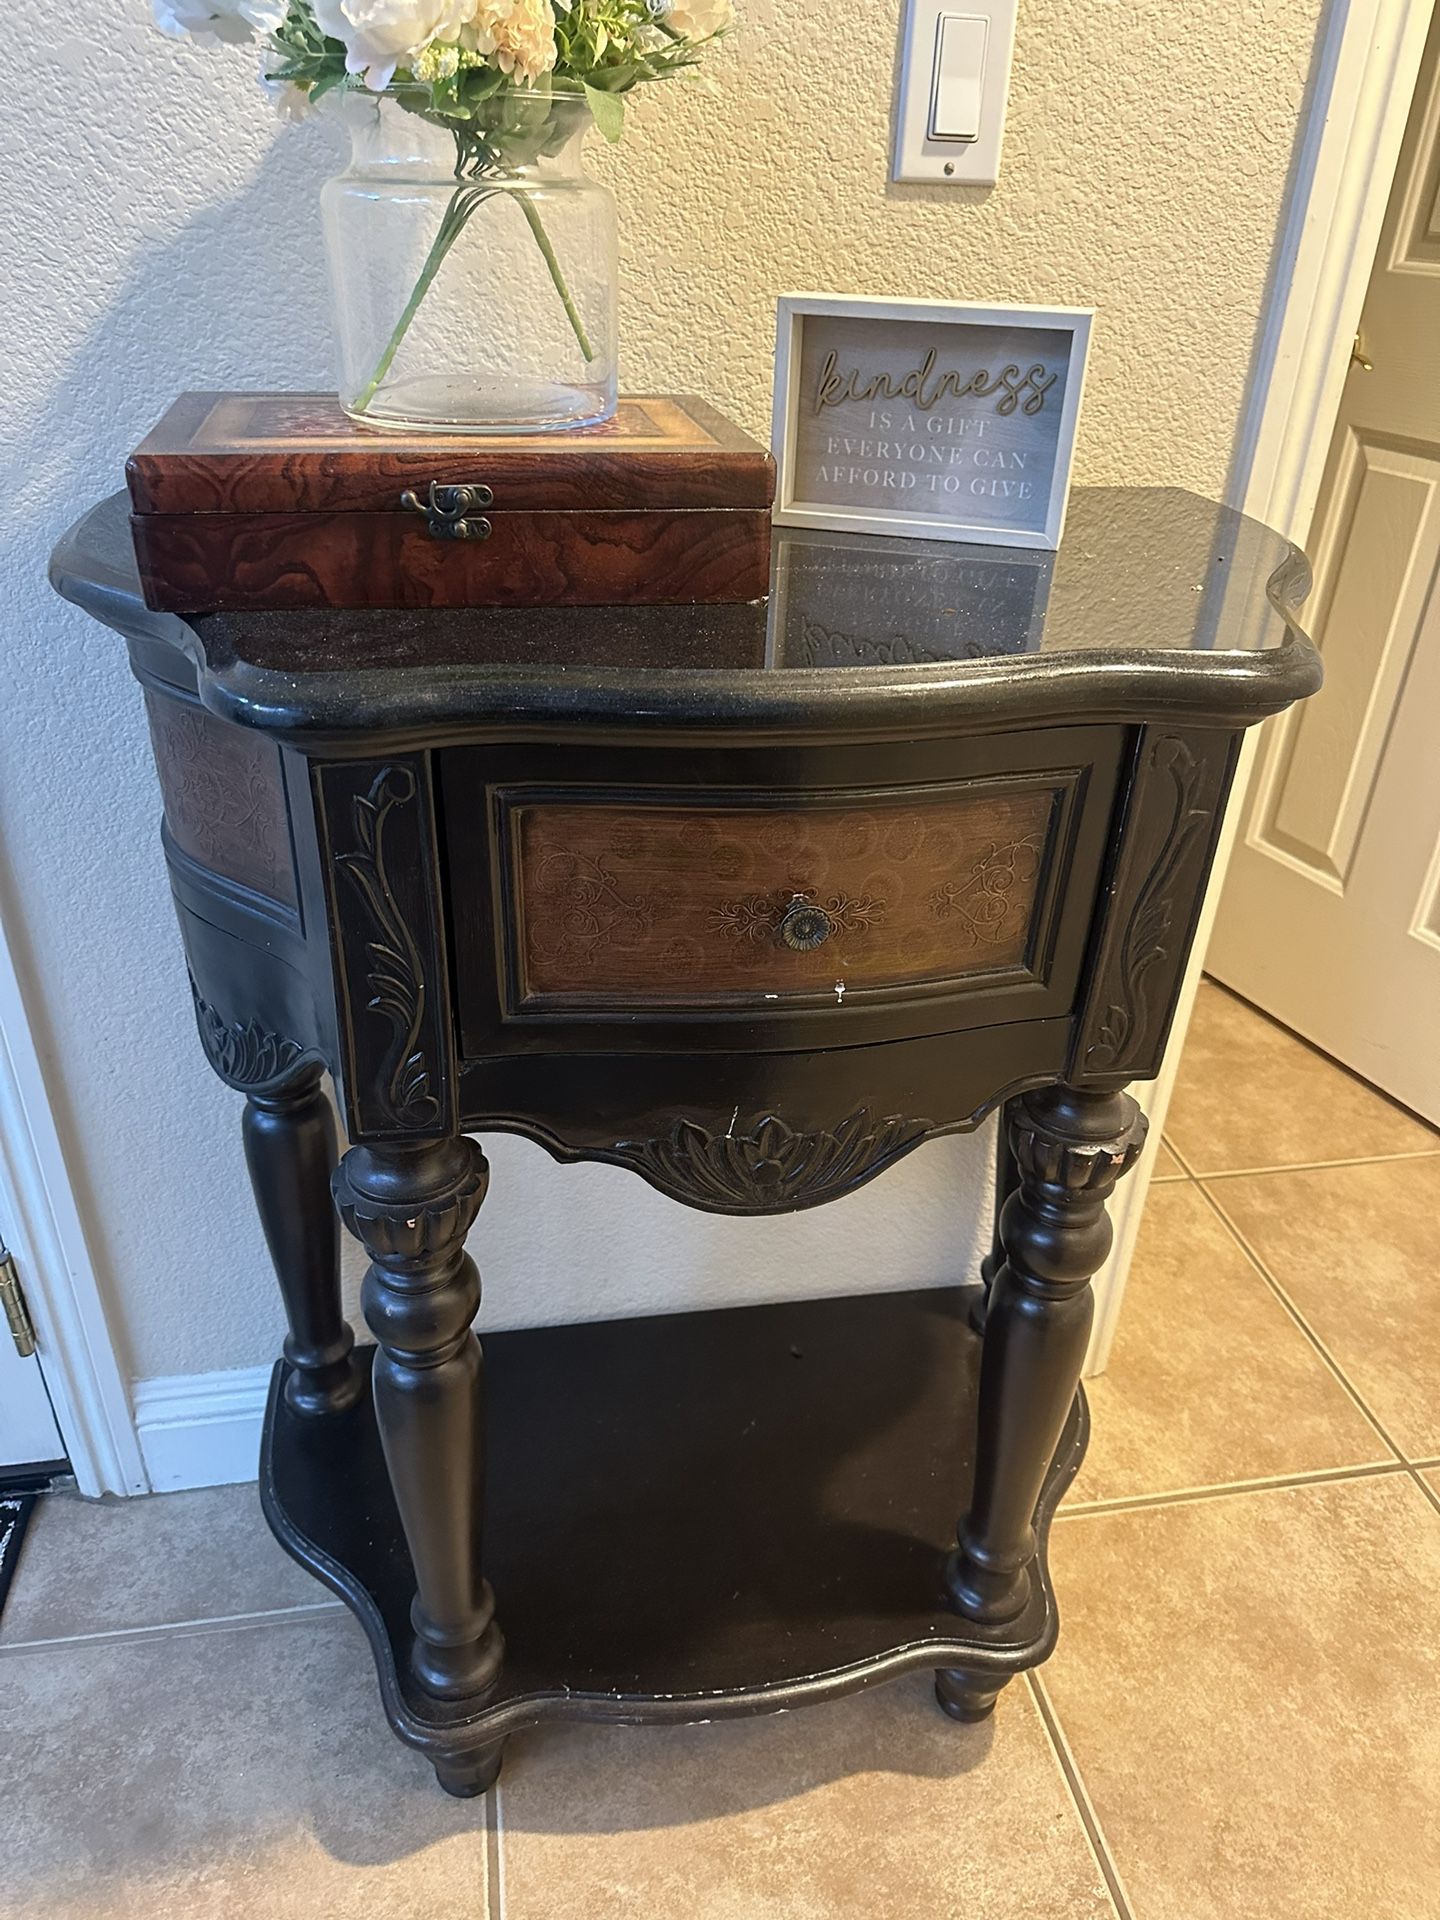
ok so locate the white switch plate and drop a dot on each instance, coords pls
(952, 162)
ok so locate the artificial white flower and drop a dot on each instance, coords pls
(214, 21)
(699, 19)
(519, 34)
(381, 35)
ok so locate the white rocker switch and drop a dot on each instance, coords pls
(959, 78)
(953, 85)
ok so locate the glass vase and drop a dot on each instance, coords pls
(473, 270)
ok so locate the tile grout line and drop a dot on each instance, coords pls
(1301, 1322)
(494, 1861)
(187, 1629)
(1202, 1183)
(1179, 1158)
(1298, 1166)
(1079, 1795)
(1222, 1489)
(1324, 1166)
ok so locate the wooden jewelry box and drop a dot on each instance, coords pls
(274, 500)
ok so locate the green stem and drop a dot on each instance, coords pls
(457, 215)
(451, 227)
(542, 240)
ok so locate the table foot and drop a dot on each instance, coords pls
(468, 1775)
(967, 1696)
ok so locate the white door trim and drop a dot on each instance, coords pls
(77, 1353)
(1345, 167)
(1366, 63)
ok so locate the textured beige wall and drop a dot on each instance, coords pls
(1146, 154)
(164, 234)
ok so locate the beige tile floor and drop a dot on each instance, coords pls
(1240, 1719)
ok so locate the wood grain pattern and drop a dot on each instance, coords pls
(191, 563)
(223, 796)
(630, 903)
(297, 452)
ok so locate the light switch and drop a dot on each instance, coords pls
(960, 42)
(954, 79)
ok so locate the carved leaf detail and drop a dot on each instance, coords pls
(395, 977)
(770, 1167)
(1148, 939)
(246, 1055)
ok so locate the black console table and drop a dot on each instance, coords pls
(752, 900)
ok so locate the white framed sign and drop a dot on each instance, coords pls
(934, 418)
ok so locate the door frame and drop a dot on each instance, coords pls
(1362, 82)
(1363, 75)
(72, 1332)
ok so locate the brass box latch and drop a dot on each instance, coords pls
(450, 512)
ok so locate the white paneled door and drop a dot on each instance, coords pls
(1330, 919)
(28, 1432)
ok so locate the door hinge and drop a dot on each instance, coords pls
(17, 1314)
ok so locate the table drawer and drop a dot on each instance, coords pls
(783, 897)
(670, 901)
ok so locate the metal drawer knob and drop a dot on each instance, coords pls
(805, 926)
(450, 511)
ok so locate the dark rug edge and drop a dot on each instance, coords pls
(16, 1509)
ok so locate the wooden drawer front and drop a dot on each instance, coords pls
(665, 902)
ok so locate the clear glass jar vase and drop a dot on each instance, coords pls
(473, 271)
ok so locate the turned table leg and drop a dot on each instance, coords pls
(1070, 1147)
(290, 1150)
(411, 1206)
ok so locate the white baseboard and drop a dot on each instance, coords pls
(201, 1429)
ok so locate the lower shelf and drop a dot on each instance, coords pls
(687, 1516)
